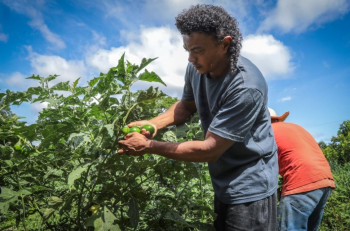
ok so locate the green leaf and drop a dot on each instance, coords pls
(51, 77)
(4, 206)
(54, 201)
(144, 63)
(7, 194)
(23, 192)
(9, 163)
(181, 130)
(94, 81)
(104, 222)
(37, 77)
(109, 219)
(109, 128)
(48, 213)
(76, 174)
(62, 86)
(151, 94)
(150, 77)
(169, 136)
(121, 67)
(134, 213)
(75, 83)
(79, 138)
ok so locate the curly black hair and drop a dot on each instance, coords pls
(212, 20)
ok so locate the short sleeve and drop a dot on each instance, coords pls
(187, 94)
(238, 114)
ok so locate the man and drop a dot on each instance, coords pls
(307, 177)
(230, 95)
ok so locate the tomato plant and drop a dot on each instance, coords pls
(63, 173)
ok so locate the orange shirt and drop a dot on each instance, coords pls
(302, 164)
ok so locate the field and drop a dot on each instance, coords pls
(63, 172)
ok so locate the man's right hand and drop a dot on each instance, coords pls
(143, 131)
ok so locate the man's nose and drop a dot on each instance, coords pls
(191, 58)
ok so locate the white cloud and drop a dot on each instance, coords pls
(268, 54)
(45, 65)
(32, 10)
(299, 15)
(285, 99)
(38, 107)
(38, 23)
(15, 78)
(162, 42)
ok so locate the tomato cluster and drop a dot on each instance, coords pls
(137, 129)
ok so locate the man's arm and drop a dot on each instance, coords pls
(178, 113)
(208, 150)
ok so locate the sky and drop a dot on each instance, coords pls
(301, 47)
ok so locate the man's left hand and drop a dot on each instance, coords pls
(135, 144)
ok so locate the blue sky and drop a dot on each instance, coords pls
(301, 47)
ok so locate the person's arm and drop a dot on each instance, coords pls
(178, 113)
(208, 150)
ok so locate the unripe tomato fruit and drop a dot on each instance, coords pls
(125, 129)
(148, 128)
(134, 129)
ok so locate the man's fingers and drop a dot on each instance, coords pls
(146, 133)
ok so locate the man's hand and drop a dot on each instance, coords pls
(143, 131)
(135, 144)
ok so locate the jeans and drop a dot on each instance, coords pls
(253, 216)
(302, 211)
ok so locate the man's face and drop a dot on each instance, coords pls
(206, 55)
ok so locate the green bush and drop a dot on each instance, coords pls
(63, 172)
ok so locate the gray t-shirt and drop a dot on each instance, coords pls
(235, 107)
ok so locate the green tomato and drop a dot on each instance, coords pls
(148, 128)
(126, 129)
(135, 129)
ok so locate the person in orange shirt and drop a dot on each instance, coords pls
(307, 177)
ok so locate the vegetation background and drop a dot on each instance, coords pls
(63, 173)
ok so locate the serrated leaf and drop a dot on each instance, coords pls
(75, 83)
(144, 63)
(134, 213)
(62, 86)
(37, 77)
(51, 77)
(150, 77)
(121, 66)
(94, 81)
(150, 94)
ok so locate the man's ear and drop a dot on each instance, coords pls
(226, 42)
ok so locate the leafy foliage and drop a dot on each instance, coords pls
(337, 212)
(63, 172)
